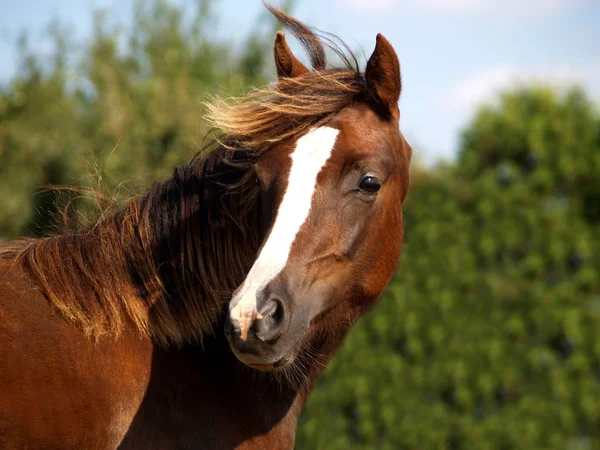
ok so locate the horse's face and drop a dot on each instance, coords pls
(334, 204)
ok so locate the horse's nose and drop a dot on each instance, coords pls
(267, 329)
(233, 334)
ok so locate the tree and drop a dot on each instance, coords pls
(127, 105)
(489, 335)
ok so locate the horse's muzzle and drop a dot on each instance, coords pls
(259, 348)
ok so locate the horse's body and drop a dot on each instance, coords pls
(200, 314)
(68, 391)
(64, 390)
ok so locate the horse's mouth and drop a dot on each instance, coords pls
(277, 365)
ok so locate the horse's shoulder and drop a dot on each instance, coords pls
(52, 364)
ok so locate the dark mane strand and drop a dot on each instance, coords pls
(306, 36)
(314, 42)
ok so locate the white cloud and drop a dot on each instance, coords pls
(438, 132)
(483, 86)
(489, 8)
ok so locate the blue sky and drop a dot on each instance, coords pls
(454, 54)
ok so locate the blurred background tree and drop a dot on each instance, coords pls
(129, 108)
(488, 336)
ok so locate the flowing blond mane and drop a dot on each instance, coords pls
(269, 116)
(292, 106)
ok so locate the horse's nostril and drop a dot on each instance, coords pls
(277, 314)
(271, 326)
(271, 308)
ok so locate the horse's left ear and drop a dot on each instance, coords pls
(383, 76)
(288, 66)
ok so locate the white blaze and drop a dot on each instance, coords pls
(311, 153)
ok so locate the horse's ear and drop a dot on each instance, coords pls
(288, 66)
(383, 75)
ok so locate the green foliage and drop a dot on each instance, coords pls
(127, 105)
(489, 335)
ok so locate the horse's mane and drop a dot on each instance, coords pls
(166, 261)
(169, 260)
(268, 116)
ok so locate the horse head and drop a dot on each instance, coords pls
(332, 203)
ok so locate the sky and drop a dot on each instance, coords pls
(454, 54)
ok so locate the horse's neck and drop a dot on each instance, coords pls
(207, 391)
(203, 395)
(204, 398)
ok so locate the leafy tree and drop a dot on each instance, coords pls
(489, 335)
(126, 105)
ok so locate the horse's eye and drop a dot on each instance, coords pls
(369, 185)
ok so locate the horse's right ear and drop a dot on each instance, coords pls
(288, 66)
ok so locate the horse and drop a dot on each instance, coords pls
(200, 314)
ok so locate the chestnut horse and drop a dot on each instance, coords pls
(200, 314)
